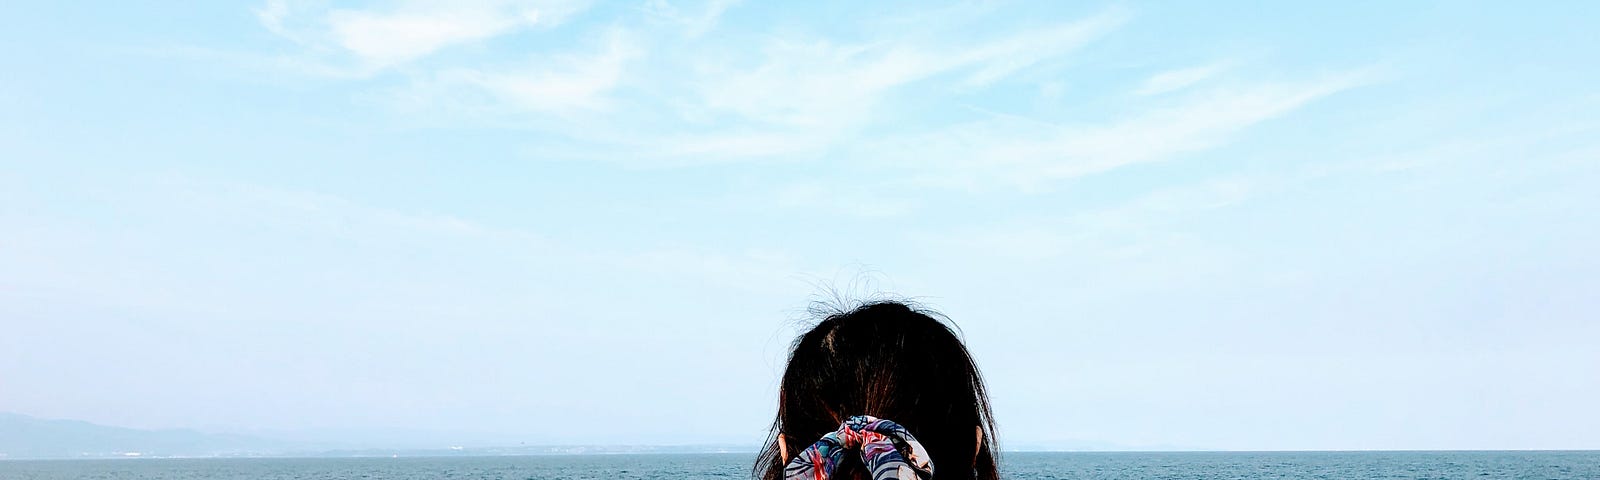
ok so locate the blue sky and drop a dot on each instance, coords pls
(1364, 225)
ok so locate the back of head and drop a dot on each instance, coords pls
(893, 361)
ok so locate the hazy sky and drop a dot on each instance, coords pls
(1241, 225)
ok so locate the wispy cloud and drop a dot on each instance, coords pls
(381, 38)
(641, 96)
(827, 85)
(1105, 235)
(1173, 80)
(694, 24)
(1029, 153)
(1005, 56)
(559, 84)
(807, 95)
(388, 38)
(272, 16)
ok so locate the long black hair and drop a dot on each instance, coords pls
(891, 360)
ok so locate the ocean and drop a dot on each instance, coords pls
(1016, 466)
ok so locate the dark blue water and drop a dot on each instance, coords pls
(1019, 466)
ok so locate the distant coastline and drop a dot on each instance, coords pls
(24, 437)
(559, 451)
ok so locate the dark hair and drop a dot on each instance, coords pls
(890, 360)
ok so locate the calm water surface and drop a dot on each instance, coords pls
(1018, 466)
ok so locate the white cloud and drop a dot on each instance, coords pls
(822, 85)
(1029, 153)
(1003, 57)
(1204, 123)
(1173, 80)
(562, 84)
(799, 96)
(814, 85)
(272, 16)
(383, 39)
(410, 30)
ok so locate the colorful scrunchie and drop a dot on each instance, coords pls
(887, 449)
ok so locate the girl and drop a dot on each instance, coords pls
(884, 391)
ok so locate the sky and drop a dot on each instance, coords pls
(1218, 225)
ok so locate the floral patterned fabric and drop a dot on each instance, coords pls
(886, 448)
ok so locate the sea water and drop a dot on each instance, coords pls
(1017, 466)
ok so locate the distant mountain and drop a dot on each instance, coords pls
(25, 437)
(22, 436)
